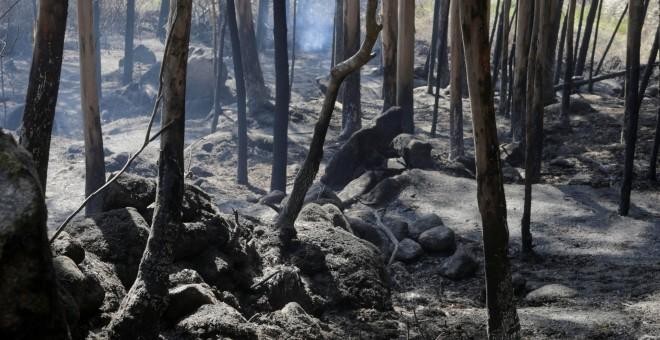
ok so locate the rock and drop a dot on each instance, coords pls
(366, 149)
(28, 305)
(337, 217)
(438, 239)
(354, 273)
(409, 250)
(652, 91)
(69, 278)
(290, 322)
(130, 191)
(399, 228)
(182, 276)
(286, 286)
(65, 245)
(519, 284)
(197, 205)
(424, 223)
(194, 237)
(562, 162)
(512, 153)
(142, 54)
(415, 152)
(185, 299)
(386, 190)
(579, 105)
(373, 234)
(215, 267)
(116, 236)
(215, 321)
(364, 184)
(113, 290)
(550, 293)
(139, 166)
(197, 171)
(308, 258)
(320, 194)
(68, 303)
(511, 174)
(459, 266)
(273, 198)
(396, 163)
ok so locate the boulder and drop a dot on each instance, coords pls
(578, 105)
(214, 321)
(415, 152)
(28, 296)
(373, 234)
(398, 227)
(409, 250)
(197, 205)
(424, 223)
(337, 217)
(185, 299)
(194, 237)
(364, 184)
(321, 194)
(215, 267)
(65, 245)
(181, 276)
(69, 277)
(290, 322)
(140, 166)
(130, 191)
(116, 236)
(550, 293)
(142, 54)
(512, 153)
(112, 288)
(386, 190)
(366, 149)
(459, 266)
(273, 198)
(438, 239)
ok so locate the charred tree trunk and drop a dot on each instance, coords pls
(44, 84)
(257, 93)
(524, 24)
(443, 59)
(548, 76)
(236, 48)
(94, 158)
(456, 146)
(139, 313)
(504, 58)
(405, 63)
(568, 72)
(588, 28)
(389, 41)
(534, 144)
(635, 18)
(262, 19)
(497, 52)
(495, 23)
(220, 78)
(162, 18)
(560, 53)
(281, 125)
(648, 70)
(294, 22)
(430, 60)
(305, 177)
(609, 43)
(338, 53)
(579, 32)
(502, 316)
(654, 153)
(97, 44)
(593, 49)
(129, 34)
(351, 110)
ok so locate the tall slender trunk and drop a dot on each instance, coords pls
(240, 76)
(502, 316)
(430, 60)
(443, 58)
(533, 172)
(504, 60)
(495, 23)
(648, 70)
(97, 44)
(593, 49)
(631, 101)
(44, 84)
(338, 54)
(497, 51)
(455, 83)
(405, 63)
(220, 77)
(579, 32)
(609, 43)
(560, 53)
(351, 110)
(257, 93)
(389, 40)
(294, 22)
(129, 34)
(307, 173)
(89, 100)
(524, 23)
(262, 19)
(162, 18)
(553, 35)
(140, 311)
(281, 125)
(568, 72)
(588, 28)
(654, 153)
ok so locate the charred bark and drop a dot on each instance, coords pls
(281, 125)
(241, 79)
(405, 63)
(456, 146)
(129, 35)
(351, 109)
(568, 72)
(389, 41)
(588, 28)
(524, 22)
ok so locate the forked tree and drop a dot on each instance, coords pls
(389, 40)
(89, 100)
(351, 108)
(502, 316)
(633, 41)
(140, 311)
(281, 124)
(405, 63)
(307, 173)
(44, 84)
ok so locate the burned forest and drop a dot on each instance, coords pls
(343, 169)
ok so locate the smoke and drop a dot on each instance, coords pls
(314, 24)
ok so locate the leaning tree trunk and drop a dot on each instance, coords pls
(534, 121)
(648, 70)
(405, 63)
(593, 48)
(240, 76)
(635, 17)
(524, 24)
(44, 84)
(351, 109)
(609, 43)
(307, 173)
(89, 100)
(129, 34)
(579, 32)
(502, 316)
(389, 40)
(568, 72)
(281, 124)
(455, 84)
(140, 311)
(504, 57)
(430, 59)
(257, 92)
(588, 28)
